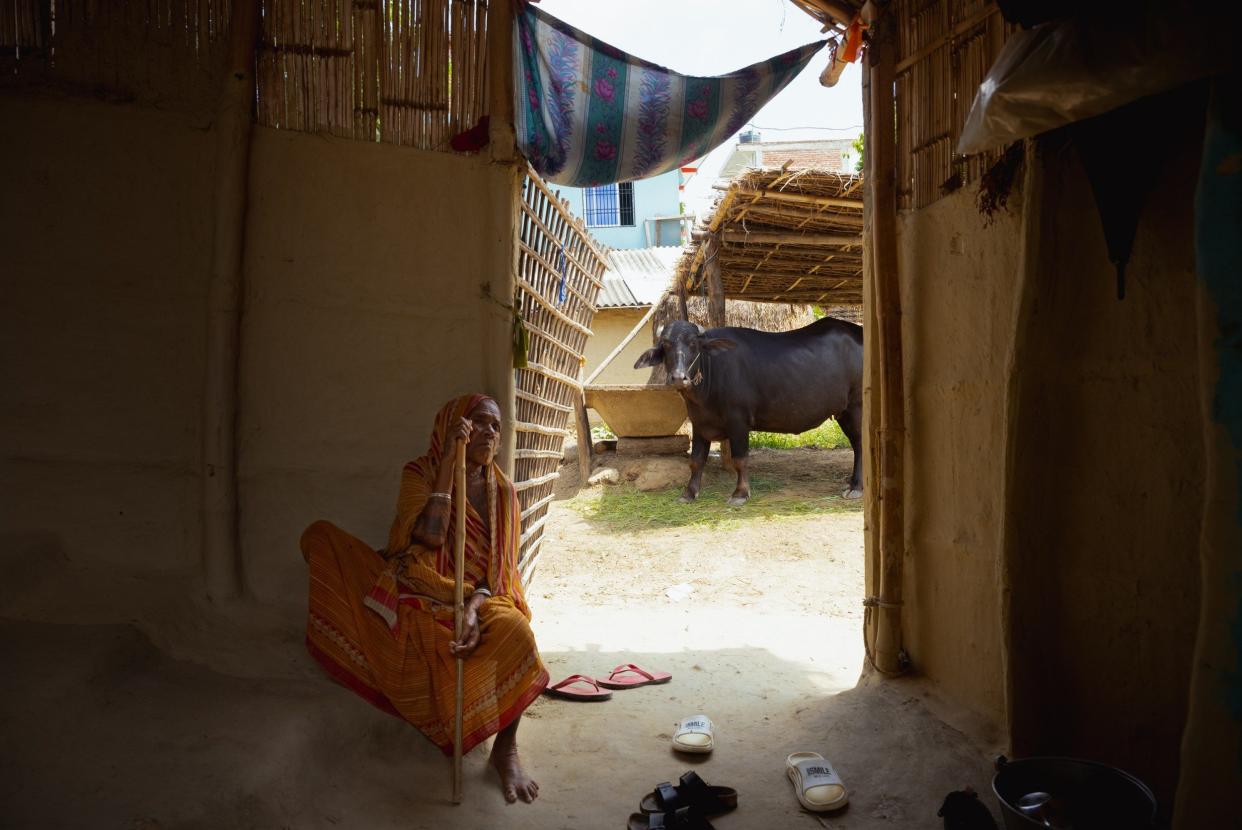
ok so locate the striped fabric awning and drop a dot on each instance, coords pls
(588, 114)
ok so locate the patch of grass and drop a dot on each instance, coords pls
(622, 508)
(602, 433)
(827, 436)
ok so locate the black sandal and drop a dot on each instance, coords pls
(682, 819)
(692, 792)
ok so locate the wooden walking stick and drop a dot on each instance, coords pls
(459, 545)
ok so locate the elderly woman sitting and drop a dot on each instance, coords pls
(382, 625)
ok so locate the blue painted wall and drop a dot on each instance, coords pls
(657, 196)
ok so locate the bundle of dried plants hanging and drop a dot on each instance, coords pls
(997, 183)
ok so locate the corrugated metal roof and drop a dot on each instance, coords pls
(636, 277)
(616, 294)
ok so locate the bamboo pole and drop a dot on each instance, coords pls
(584, 436)
(715, 288)
(221, 562)
(459, 606)
(881, 180)
(500, 81)
(1016, 361)
(778, 238)
(499, 321)
(836, 12)
(625, 341)
(809, 216)
(795, 196)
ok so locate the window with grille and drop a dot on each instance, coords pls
(609, 205)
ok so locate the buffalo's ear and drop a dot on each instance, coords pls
(651, 357)
(718, 344)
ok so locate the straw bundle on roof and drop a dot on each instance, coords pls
(762, 316)
(784, 237)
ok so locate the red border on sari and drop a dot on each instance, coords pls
(351, 681)
(507, 717)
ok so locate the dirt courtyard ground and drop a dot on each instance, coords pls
(762, 633)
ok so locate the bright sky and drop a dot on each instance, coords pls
(712, 37)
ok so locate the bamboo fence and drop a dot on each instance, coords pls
(783, 237)
(560, 271)
(409, 72)
(944, 49)
(167, 52)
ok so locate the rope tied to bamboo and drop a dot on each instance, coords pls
(520, 332)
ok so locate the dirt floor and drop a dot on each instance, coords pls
(115, 726)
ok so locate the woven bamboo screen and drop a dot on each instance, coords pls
(409, 72)
(945, 47)
(164, 51)
(559, 274)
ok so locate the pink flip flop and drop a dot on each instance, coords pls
(630, 676)
(568, 689)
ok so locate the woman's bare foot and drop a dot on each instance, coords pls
(513, 779)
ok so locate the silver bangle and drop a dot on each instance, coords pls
(483, 591)
(445, 496)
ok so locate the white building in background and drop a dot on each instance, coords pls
(835, 155)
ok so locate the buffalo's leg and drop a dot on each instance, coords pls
(739, 442)
(851, 424)
(698, 460)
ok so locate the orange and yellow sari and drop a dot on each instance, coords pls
(381, 627)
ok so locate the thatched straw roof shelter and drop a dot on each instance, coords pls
(762, 316)
(781, 236)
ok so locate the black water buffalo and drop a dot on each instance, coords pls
(735, 380)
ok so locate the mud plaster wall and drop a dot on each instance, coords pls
(362, 316)
(1108, 479)
(105, 216)
(959, 281)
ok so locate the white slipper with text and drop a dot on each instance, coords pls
(815, 782)
(694, 734)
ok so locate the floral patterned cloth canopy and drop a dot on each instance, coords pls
(587, 114)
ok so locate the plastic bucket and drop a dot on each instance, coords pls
(1087, 795)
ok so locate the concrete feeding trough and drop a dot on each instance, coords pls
(638, 411)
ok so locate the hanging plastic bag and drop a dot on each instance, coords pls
(1069, 70)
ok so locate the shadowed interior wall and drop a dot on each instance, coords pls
(1108, 478)
(959, 281)
(107, 232)
(363, 314)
